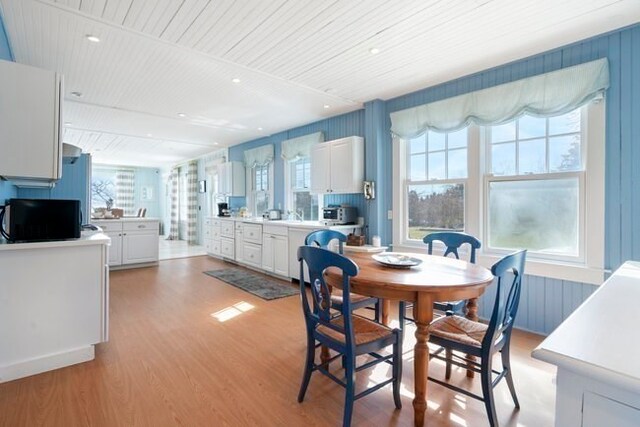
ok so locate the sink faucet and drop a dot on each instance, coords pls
(298, 214)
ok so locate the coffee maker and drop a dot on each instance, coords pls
(223, 210)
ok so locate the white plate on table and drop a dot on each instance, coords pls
(396, 260)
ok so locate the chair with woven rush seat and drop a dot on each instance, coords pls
(347, 334)
(453, 241)
(457, 333)
(322, 239)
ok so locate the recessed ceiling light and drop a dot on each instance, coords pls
(182, 115)
(215, 143)
(235, 80)
(76, 94)
(259, 128)
(374, 51)
(327, 106)
(149, 135)
(67, 123)
(92, 38)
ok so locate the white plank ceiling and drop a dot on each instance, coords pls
(159, 58)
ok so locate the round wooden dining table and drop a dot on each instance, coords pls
(437, 278)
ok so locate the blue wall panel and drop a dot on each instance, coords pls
(7, 190)
(73, 185)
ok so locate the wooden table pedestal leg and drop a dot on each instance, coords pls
(472, 314)
(423, 314)
(385, 307)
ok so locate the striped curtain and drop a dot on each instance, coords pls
(125, 185)
(173, 184)
(192, 203)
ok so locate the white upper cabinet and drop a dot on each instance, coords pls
(30, 123)
(231, 179)
(338, 166)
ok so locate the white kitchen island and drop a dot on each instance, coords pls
(597, 350)
(54, 304)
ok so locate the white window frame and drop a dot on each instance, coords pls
(252, 193)
(587, 268)
(289, 189)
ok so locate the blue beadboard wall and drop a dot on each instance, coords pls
(546, 302)
(7, 190)
(73, 185)
(349, 124)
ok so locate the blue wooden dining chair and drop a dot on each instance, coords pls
(457, 333)
(322, 239)
(453, 240)
(347, 334)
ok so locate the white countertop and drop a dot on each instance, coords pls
(601, 339)
(125, 219)
(85, 240)
(289, 223)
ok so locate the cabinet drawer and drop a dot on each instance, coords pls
(140, 226)
(252, 233)
(226, 228)
(214, 231)
(109, 226)
(208, 246)
(227, 248)
(278, 230)
(238, 225)
(252, 254)
(216, 247)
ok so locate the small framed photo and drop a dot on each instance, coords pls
(202, 186)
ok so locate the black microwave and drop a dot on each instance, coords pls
(28, 220)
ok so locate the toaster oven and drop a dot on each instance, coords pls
(340, 215)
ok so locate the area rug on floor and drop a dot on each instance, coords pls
(256, 284)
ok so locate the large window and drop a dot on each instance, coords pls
(299, 198)
(260, 197)
(435, 186)
(534, 183)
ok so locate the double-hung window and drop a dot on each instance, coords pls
(298, 182)
(260, 188)
(535, 186)
(435, 183)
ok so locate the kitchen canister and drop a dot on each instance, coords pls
(375, 241)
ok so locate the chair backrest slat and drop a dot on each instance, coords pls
(453, 240)
(322, 238)
(507, 298)
(317, 261)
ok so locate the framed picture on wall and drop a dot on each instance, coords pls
(202, 186)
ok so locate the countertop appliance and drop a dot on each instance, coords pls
(223, 210)
(274, 214)
(340, 215)
(31, 220)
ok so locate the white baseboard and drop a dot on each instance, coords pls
(46, 363)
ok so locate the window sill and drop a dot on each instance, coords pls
(536, 267)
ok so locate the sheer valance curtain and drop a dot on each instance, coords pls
(211, 161)
(300, 148)
(544, 95)
(260, 156)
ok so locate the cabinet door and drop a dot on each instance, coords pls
(296, 239)
(227, 248)
(252, 254)
(224, 178)
(268, 252)
(139, 246)
(29, 122)
(342, 164)
(216, 248)
(280, 255)
(115, 250)
(320, 168)
(239, 246)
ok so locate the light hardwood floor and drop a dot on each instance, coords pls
(170, 362)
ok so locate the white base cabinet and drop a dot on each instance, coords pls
(133, 241)
(54, 304)
(275, 250)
